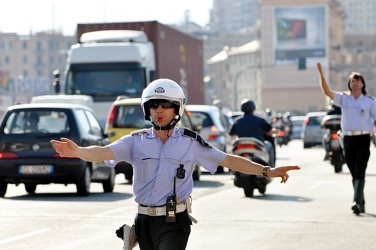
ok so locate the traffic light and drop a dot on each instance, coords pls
(301, 63)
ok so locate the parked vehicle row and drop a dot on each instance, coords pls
(27, 157)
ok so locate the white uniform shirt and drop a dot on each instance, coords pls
(155, 164)
(357, 113)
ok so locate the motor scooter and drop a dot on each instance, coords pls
(283, 135)
(332, 141)
(254, 150)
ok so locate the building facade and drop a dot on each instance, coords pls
(293, 32)
(27, 64)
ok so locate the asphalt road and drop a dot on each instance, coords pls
(310, 211)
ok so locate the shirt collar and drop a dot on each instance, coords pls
(151, 134)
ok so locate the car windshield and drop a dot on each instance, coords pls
(130, 116)
(297, 122)
(201, 118)
(314, 120)
(36, 121)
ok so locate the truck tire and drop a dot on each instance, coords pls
(83, 183)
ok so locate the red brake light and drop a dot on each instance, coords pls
(56, 155)
(306, 120)
(242, 146)
(8, 155)
(213, 133)
(335, 136)
(111, 117)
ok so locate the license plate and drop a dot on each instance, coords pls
(334, 143)
(36, 169)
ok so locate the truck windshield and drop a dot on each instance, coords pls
(105, 81)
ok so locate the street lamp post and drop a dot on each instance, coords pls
(237, 75)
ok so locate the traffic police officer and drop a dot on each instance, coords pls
(357, 123)
(163, 159)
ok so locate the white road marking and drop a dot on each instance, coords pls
(320, 183)
(23, 236)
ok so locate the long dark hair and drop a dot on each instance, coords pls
(357, 76)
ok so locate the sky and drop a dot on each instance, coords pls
(23, 16)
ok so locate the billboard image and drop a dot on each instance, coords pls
(291, 29)
(299, 32)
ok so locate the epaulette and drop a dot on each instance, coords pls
(138, 132)
(195, 136)
(373, 98)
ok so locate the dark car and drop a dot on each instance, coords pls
(27, 155)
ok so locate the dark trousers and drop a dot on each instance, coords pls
(357, 154)
(154, 233)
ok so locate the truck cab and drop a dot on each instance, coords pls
(109, 63)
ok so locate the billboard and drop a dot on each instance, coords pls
(299, 32)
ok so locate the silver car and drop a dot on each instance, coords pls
(214, 126)
(297, 126)
(312, 132)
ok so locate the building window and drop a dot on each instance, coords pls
(7, 45)
(25, 59)
(6, 60)
(24, 44)
(39, 46)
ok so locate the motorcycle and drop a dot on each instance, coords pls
(332, 141)
(254, 150)
(283, 135)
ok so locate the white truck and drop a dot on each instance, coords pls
(106, 64)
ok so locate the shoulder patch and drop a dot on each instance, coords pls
(196, 137)
(138, 132)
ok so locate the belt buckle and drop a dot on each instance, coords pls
(151, 211)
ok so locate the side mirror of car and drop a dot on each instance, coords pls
(110, 134)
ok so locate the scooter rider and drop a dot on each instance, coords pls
(333, 110)
(253, 126)
(163, 159)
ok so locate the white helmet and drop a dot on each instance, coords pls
(163, 89)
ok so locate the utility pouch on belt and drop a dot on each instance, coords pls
(171, 208)
(128, 234)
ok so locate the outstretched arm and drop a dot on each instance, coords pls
(241, 164)
(324, 85)
(68, 148)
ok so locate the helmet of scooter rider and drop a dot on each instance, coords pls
(164, 89)
(248, 106)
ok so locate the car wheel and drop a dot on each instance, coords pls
(128, 177)
(196, 172)
(108, 185)
(83, 183)
(3, 188)
(220, 169)
(30, 188)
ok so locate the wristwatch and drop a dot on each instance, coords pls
(265, 171)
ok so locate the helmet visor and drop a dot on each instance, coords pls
(166, 104)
